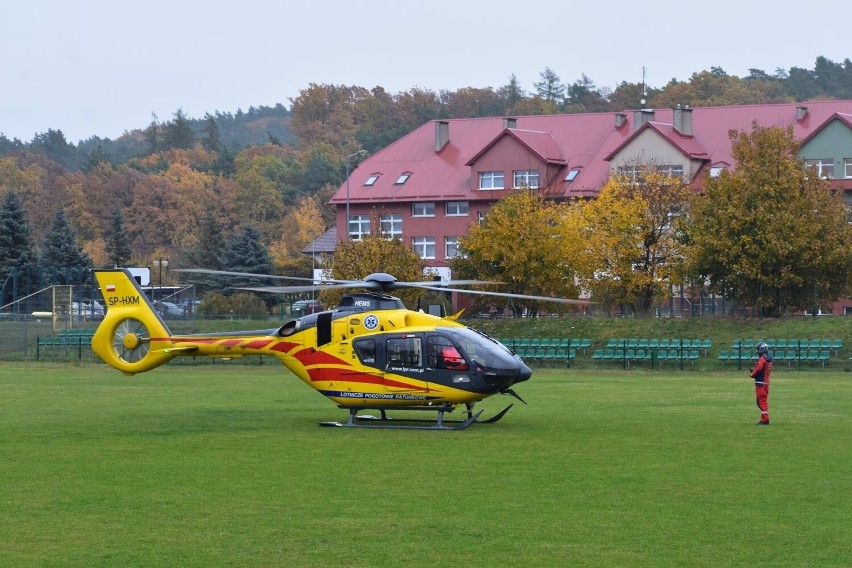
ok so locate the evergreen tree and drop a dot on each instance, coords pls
(207, 253)
(511, 93)
(246, 253)
(211, 142)
(17, 251)
(550, 88)
(117, 242)
(178, 133)
(64, 262)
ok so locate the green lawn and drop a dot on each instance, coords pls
(225, 465)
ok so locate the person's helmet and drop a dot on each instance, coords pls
(762, 348)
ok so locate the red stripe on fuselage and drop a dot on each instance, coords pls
(318, 374)
(312, 357)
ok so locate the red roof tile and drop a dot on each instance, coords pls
(583, 141)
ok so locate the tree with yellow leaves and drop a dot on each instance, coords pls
(526, 243)
(355, 260)
(632, 248)
(771, 234)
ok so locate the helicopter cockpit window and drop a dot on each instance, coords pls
(366, 350)
(404, 351)
(444, 355)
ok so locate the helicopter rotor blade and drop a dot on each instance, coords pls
(506, 295)
(254, 275)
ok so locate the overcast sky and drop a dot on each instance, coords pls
(100, 67)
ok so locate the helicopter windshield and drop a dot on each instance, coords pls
(481, 350)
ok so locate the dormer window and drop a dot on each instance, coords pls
(372, 180)
(572, 174)
(490, 180)
(526, 178)
(716, 171)
(402, 179)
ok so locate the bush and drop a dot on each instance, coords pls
(241, 305)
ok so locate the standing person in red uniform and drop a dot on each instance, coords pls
(760, 373)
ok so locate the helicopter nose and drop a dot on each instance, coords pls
(524, 372)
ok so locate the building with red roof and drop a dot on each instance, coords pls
(430, 185)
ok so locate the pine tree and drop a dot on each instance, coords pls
(246, 253)
(117, 242)
(178, 133)
(64, 262)
(207, 253)
(18, 261)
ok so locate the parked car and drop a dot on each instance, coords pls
(169, 309)
(87, 309)
(305, 307)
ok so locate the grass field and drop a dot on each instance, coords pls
(221, 465)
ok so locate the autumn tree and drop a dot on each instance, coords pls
(523, 243)
(355, 260)
(632, 245)
(770, 234)
(302, 225)
(18, 261)
(62, 259)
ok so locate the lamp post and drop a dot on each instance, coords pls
(160, 263)
(347, 187)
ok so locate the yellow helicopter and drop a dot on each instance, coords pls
(369, 353)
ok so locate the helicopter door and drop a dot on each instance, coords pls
(404, 357)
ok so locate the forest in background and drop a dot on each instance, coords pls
(185, 186)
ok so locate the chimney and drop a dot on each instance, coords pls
(640, 117)
(442, 134)
(683, 120)
(801, 112)
(510, 122)
(620, 119)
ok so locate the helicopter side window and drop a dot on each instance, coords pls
(404, 351)
(366, 350)
(444, 355)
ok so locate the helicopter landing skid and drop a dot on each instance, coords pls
(384, 421)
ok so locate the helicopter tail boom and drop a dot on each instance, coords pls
(132, 338)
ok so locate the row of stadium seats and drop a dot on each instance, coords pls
(547, 354)
(516, 343)
(659, 343)
(789, 355)
(833, 344)
(660, 355)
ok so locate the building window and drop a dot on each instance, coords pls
(424, 246)
(526, 178)
(490, 180)
(716, 171)
(359, 226)
(824, 167)
(456, 208)
(371, 180)
(847, 166)
(392, 226)
(671, 170)
(423, 210)
(633, 173)
(451, 247)
(572, 174)
(402, 179)
(480, 217)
